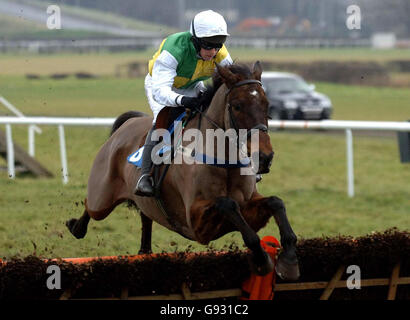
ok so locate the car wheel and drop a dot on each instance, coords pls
(299, 115)
(325, 115)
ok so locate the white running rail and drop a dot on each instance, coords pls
(60, 123)
(348, 126)
(31, 128)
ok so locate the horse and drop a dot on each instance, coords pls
(201, 202)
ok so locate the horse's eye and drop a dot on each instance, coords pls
(237, 107)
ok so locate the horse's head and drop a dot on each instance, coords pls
(247, 108)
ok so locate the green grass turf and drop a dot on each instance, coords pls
(309, 171)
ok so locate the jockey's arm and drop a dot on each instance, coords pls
(163, 74)
(226, 61)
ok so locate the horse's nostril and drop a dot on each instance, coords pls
(269, 159)
(265, 160)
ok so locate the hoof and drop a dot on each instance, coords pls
(287, 270)
(72, 225)
(264, 268)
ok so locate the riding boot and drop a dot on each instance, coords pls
(144, 185)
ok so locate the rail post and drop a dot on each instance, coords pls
(350, 169)
(63, 153)
(31, 145)
(10, 153)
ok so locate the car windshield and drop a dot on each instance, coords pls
(285, 85)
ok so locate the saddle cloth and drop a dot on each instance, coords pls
(136, 157)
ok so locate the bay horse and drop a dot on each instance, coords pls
(203, 202)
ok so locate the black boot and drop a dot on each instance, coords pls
(144, 185)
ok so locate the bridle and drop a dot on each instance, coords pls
(260, 126)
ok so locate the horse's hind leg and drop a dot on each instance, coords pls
(261, 262)
(78, 227)
(146, 235)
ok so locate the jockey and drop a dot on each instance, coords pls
(176, 74)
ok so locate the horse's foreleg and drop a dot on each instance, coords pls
(230, 210)
(212, 219)
(287, 266)
(260, 210)
(78, 227)
(146, 235)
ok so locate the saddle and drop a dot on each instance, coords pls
(165, 120)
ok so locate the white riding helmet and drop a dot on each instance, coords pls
(208, 24)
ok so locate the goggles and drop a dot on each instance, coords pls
(209, 45)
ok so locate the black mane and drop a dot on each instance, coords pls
(240, 68)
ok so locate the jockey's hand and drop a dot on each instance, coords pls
(190, 102)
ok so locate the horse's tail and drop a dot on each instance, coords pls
(124, 117)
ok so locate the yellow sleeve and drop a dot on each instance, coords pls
(222, 54)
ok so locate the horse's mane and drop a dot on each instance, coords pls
(211, 89)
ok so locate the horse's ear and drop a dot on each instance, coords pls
(257, 70)
(227, 76)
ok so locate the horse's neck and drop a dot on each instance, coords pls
(215, 119)
(216, 110)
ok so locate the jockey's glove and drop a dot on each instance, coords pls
(190, 102)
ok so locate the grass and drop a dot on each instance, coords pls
(316, 54)
(45, 65)
(105, 96)
(95, 16)
(106, 63)
(18, 28)
(367, 103)
(108, 96)
(13, 25)
(311, 181)
(101, 17)
(309, 171)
